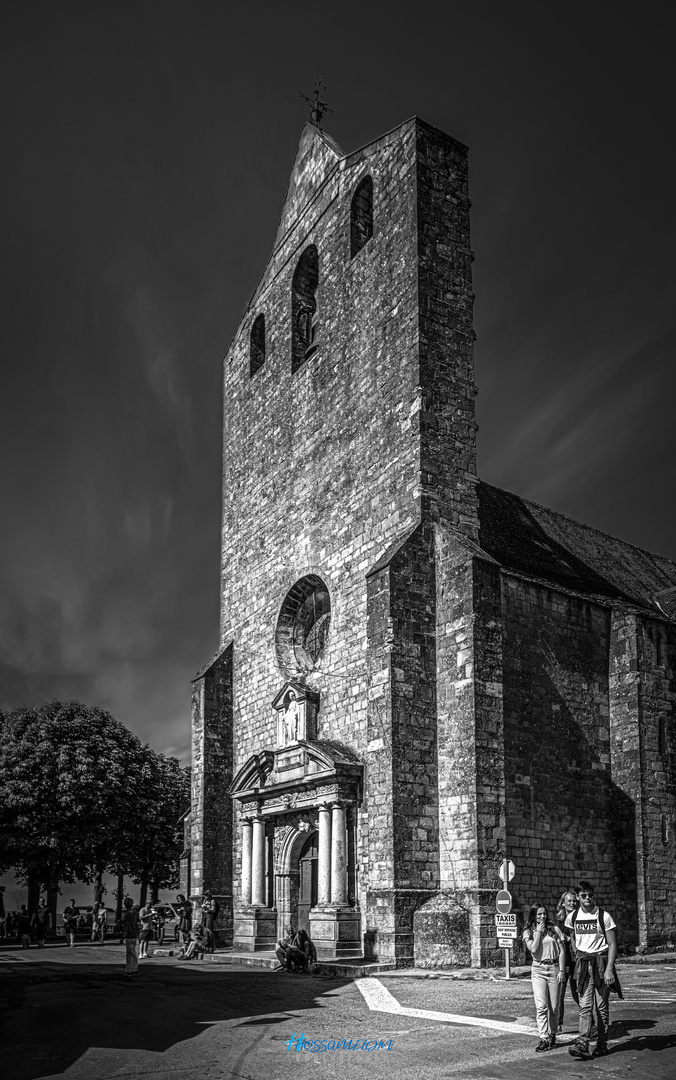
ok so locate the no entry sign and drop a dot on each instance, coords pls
(503, 902)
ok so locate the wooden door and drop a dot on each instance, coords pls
(307, 885)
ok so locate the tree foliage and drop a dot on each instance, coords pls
(165, 796)
(81, 796)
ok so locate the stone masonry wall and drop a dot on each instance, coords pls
(658, 752)
(401, 860)
(566, 817)
(642, 695)
(211, 808)
(470, 735)
(446, 301)
(322, 468)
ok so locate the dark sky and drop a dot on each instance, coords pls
(146, 150)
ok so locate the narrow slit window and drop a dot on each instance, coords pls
(662, 735)
(304, 314)
(257, 345)
(665, 829)
(361, 216)
(661, 649)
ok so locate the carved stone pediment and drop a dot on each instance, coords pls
(298, 776)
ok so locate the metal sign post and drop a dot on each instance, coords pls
(505, 922)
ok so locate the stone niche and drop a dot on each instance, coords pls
(296, 708)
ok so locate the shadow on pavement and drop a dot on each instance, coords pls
(51, 1014)
(644, 1042)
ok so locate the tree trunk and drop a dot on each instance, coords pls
(52, 900)
(144, 892)
(98, 895)
(33, 891)
(120, 898)
(154, 892)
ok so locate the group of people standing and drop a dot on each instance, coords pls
(138, 925)
(578, 949)
(26, 926)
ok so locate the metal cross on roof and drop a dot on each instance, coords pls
(318, 107)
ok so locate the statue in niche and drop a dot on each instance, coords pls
(291, 716)
(296, 708)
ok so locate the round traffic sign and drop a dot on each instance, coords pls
(503, 902)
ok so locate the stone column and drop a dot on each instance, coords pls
(338, 855)
(324, 859)
(246, 860)
(258, 896)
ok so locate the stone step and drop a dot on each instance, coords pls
(257, 959)
(346, 968)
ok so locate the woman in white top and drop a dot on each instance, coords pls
(545, 943)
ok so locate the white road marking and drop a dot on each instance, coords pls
(379, 999)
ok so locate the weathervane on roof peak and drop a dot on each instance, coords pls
(316, 103)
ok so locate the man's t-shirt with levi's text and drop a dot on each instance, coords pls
(589, 937)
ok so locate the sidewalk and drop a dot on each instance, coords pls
(361, 968)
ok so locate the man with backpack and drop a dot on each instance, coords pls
(594, 943)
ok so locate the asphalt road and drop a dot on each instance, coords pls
(72, 1012)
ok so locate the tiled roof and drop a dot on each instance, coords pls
(532, 540)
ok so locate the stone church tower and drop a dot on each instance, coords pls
(418, 673)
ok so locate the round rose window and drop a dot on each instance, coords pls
(303, 625)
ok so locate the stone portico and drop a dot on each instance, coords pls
(300, 793)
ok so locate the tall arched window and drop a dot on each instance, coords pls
(361, 216)
(304, 317)
(257, 345)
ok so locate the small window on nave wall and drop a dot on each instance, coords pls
(304, 315)
(361, 216)
(257, 345)
(303, 626)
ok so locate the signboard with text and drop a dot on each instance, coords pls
(505, 943)
(503, 920)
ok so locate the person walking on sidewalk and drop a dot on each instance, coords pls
(567, 903)
(70, 919)
(23, 927)
(146, 919)
(595, 944)
(42, 921)
(545, 943)
(130, 932)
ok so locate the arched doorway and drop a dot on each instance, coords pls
(307, 880)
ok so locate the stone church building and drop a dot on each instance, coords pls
(418, 673)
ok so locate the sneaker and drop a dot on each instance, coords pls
(600, 1050)
(542, 1046)
(579, 1050)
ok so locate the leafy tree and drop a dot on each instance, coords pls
(164, 797)
(71, 777)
